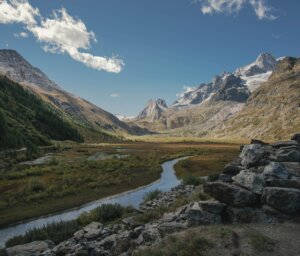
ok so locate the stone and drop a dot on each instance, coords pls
(232, 169)
(292, 183)
(204, 213)
(108, 242)
(248, 215)
(92, 231)
(149, 236)
(212, 206)
(286, 200)
(131, 222)
(292, 167)
(172, 227)
(225, 177)
(122, 245)
(252, 181)
(252, 154)
(29, 249)
(296, 137)
(230, 194)
(255, 141)
(280, 144)
(287, 155)
(275, 170)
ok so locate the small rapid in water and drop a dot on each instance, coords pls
(167, 181)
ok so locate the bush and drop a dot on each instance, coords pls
(104, 213)
(56, 232)
(151, 195)
(36, 185)
(213, 177)
(191, 180)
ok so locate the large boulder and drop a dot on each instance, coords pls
(252, 155)
(292, 183)
(250, 180)
(33, 248)
(275, 170)
(293, 168)
(286, 200)
(248, 215)
(288, 154)
(233, 168)
(230, 194)
(280, 144)
(91, 231)
(204, 213)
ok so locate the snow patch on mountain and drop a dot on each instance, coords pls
(251, 75)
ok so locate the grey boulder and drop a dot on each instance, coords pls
(286, 200)
(252, 181)
(252, 154)
(230, 194)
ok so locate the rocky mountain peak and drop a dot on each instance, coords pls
(14, 66)
(264, 63)
(153, 110)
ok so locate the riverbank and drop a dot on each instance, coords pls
(252, 209)
(70, 179)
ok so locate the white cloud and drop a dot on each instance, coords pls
(115, 95)
(262, 10)
(59, 34)
(21, 34)
(17, 11)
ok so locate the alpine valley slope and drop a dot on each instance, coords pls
(206, 111)
(93, 122)
(272, 112)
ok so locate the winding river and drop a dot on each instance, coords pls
(134, 197)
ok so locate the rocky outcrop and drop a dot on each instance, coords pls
(262, 185)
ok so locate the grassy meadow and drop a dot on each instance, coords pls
(80, 173)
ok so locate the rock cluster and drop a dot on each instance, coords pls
(262, 184)
(167, 198)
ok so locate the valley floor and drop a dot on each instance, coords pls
(77, 174)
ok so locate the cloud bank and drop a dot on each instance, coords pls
(59, 34)
(261, 9)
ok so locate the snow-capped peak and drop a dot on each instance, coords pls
(265, 62)
(252, 76)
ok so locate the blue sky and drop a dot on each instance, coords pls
(152, 48)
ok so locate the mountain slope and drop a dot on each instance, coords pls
(25, 119)
(273, 110)
(84, 113)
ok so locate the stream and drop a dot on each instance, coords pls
(134, 197)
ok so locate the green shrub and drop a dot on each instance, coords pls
(56, 232)
(104, 213)
(191, 180)
(36, 185)
(213, 177)
(151, 195)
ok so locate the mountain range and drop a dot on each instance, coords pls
(261, 99)
(213, 109)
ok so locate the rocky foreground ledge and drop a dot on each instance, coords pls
(261, 186)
